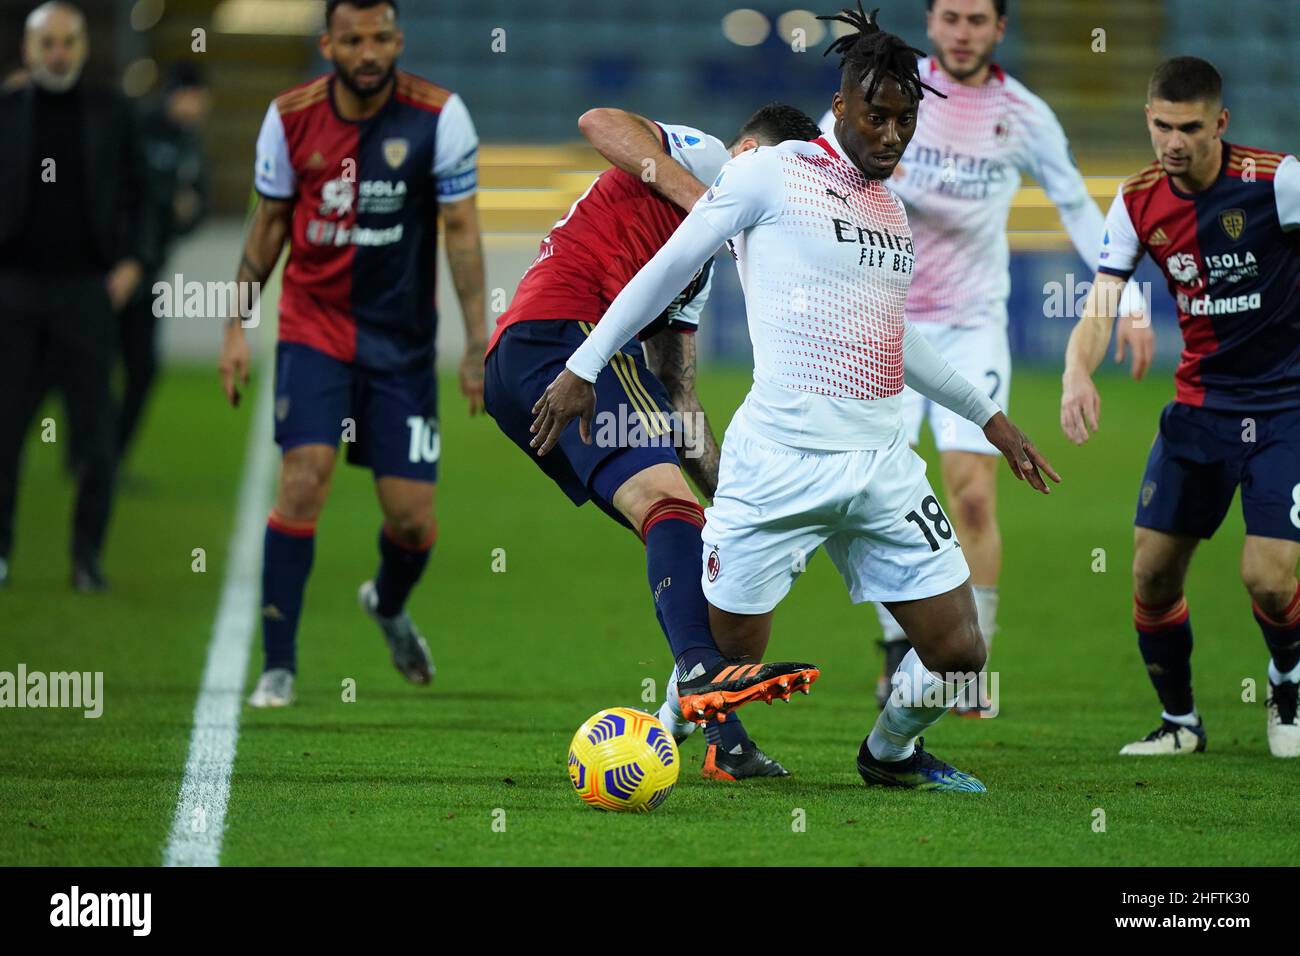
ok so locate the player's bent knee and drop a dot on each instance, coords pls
(415, 532)
(1154, 583)
(975, 506)
(959, 651)
(1272, 588)
(636, 496)
(967, 654)
(302, 492)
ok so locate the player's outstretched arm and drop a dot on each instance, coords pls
(628, 141)
(927, 372)
(1080, 402)
(671, 356)
(465, 259)
(268, 230)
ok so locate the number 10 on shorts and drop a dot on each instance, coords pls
(426, 443)
(931, 516)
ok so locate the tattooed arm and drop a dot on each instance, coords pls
(671, 356)
(266, 237)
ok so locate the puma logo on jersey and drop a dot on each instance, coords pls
(843, 199)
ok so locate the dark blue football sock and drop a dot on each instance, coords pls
(1282, 635)
(728, 735)
(1165, 640)
(671, 532)
(287, 553)
(400, 568)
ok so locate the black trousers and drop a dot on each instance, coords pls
(61, 326)
(138, 344)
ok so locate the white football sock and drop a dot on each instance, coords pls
(893, 632)
(1183, 720)
(918, 700)
(986, 612)
(670, 714)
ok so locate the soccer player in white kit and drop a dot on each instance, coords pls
(817, 454)
(962, 173)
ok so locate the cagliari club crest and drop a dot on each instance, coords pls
(395, 151)
(1233, 222)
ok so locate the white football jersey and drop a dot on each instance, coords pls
(825, 259)
(958, 178)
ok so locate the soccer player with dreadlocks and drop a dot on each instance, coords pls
(817, 454)
(962, 173)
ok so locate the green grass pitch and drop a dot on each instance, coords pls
(472, 770)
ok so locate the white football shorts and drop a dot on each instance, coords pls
(873, 510)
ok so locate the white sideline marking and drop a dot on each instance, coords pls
(200, 818)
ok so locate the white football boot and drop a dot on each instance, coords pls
(274, 689)
(1168, 738)
(1283, 726)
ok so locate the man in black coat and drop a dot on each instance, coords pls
(178, 201)
(75, 240)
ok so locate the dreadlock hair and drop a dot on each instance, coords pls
(871, 52)
(776, 123)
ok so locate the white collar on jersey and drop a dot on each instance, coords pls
(829, 136)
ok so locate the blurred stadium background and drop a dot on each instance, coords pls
(527, 71)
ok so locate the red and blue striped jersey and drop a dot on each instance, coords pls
(608, 234)
(360, 281)
(1231, 256)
